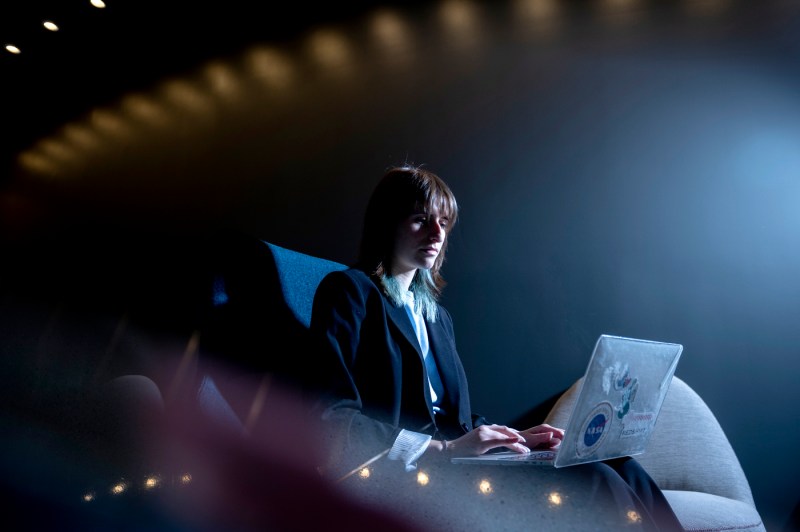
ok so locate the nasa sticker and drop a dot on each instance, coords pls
(594, 429)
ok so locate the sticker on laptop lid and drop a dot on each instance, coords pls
(638, 424)
(594, 429)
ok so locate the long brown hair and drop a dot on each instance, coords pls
(402, 191)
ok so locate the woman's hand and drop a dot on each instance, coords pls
(481, 440)
(543, 437)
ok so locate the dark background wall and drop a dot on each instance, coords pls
(622, 167)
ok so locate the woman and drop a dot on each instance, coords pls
(394, 387)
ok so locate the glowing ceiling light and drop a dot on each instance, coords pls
(364, 473)
(459, 15)
(13, 49)
(36, 162)
(422, 478)
(269, 66)
(56, 149)
(389, 28)
(539, 10)
(152, 482)
(538, 18)
(392, 37)
(462, 23)
(187, 96)
(99, 4)
(223, 80)
(109, 122)
(330, 48)
(485, 487)
(80, 135)
(50, 25)
(186, 478)
(119, 488)
(89, 497)
(144, 110)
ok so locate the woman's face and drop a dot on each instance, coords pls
(419, 241)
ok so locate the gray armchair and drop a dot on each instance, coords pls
(700, 475)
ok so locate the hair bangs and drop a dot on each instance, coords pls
(436, 196)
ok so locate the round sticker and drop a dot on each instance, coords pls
(594, 429)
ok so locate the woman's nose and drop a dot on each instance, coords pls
(436, 231)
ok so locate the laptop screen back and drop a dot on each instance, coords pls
(618, 404)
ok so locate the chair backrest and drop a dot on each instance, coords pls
(262, 298)
(688, 450)
(299, 276)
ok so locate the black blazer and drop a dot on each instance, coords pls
(372, 373)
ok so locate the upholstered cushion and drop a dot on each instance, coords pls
(703, 512)
(299, 276)
(690, 458)
(689, 450)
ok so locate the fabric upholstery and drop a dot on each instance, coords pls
(299, 276)
(702, 475)
(262, 292)
(704, 512)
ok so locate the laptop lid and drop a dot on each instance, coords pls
(619, 400)
(616, 407)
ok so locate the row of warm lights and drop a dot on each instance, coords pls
(554, 498)
(168, 106)
(149, 483)
(461, 17)
(484, 486)
(52, 26)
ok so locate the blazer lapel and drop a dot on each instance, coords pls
(399, 318)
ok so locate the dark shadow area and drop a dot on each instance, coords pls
(535, 416)
(793, 522)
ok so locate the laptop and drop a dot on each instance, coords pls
(616, 409)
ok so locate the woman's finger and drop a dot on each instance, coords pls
(543, 437)
(508, 431)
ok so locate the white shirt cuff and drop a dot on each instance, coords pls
(409, 447)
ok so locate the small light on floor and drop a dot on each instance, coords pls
(119, 488)
(364, 473)
(485, 487)
(422, 478)
(634, 517)
(554, 498)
